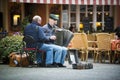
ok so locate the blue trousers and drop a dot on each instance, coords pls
(54, 53)
(49, 54)
(60, 53)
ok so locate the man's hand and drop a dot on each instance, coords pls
(53, 37)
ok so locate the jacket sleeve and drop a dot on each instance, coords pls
(41, 35)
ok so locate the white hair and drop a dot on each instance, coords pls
(36, 18)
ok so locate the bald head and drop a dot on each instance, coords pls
(37, 19)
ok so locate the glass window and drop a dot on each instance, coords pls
(65, 7)
(106, 14)
(91, 28)
(73, 17)
(82, 15)
(90, 15)
(99, 8)
(82, 8)
(102, 12)
(90, 8)
(65, 25)
(106, 8)
(99, 16)
(73, 7)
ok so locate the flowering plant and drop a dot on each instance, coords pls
(10, 44)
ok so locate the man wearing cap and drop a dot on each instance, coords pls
(35, 30)
(49, 30)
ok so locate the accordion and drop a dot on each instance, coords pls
(63, 37)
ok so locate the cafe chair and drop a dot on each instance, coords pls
(103, 49)
(112, 36)
(81, 42)
(91, 37)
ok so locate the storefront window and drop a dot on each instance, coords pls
(90, 8)
(82, 15)
(99, 8)
(99, 16)
(73, 17)
(106, 14)
(106, 8)
(77, 13)
(65, 21)
(102, 14)
(106, 11)
(90, 17)
(82, 8)
(65, 7)
(73, 7)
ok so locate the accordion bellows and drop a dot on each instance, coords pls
(63, 37)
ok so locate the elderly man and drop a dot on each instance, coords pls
(35, 30)
(49, 29)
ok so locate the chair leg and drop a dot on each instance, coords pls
(82, 56)
(86, 56)
(100, 58)
(113, 61)
(96, 57)
(109, 57)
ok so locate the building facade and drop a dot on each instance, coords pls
(89, 15)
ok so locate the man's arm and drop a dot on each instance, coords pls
(43, 37)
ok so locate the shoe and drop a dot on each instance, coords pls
(40, 65)
(51, 65)
(30, 66)
(55, 64)
(60, 65)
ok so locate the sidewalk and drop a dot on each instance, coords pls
(100, 71)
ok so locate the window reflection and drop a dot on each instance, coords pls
(99, 8)
(90, 16)
(65, 7)
(101, 13)
(73, 7)
(106, 15)
(106, 8)
(90, 8)
(82, 8)
(65, 25)
(99, 16)
(82, 15)
(73, 17)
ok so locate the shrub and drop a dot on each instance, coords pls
(10, 44)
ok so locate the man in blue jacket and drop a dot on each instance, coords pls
(49, 30)
(35, 30)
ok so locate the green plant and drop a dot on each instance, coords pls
(25, 22)
(10, 44)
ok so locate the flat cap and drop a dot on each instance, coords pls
(53, 16)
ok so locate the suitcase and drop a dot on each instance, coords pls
(16, 59)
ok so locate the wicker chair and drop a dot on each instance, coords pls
(103, 46)
(80, 42)
(112, 36)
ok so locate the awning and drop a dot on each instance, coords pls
(77, 2)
